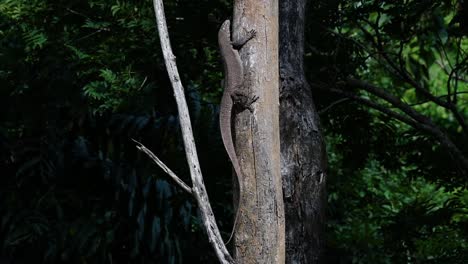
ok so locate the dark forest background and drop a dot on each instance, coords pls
(80, 79)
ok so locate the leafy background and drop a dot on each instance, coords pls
(80, 79)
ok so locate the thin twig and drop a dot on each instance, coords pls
(337, 102)
(163, 166)
(440, 96)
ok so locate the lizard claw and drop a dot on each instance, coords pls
(251, 101)
(240, 43)
(244, 101)
(252, 34)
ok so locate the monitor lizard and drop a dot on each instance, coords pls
(234, 92)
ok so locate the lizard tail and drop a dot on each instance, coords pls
(226, 135)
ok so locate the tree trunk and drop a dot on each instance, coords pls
(303, 156)
(259, 236)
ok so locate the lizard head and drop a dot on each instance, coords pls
(226, 29)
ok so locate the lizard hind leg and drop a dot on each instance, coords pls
(243, 100)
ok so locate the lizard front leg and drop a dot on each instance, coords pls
(238, 44)
(240, 97)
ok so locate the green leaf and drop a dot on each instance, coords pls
(35, 39)
(96, 24)
(78, 53)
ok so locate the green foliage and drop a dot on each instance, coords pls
(113, 91)
(395, 196)
(80, 78)
(390, 216)
(34, 39)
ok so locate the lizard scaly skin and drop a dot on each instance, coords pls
(233, 82)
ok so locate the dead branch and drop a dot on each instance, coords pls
(199, 190)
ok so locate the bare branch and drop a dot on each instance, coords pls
(378, 107)
(423, 126)
(440, 96)
(199, 190)
(163, 166)
(389, 98)
(337, 102)
(403, 106)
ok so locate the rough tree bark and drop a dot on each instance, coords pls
(303, 156)
(259, 236)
